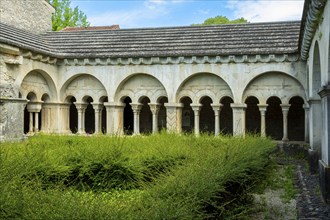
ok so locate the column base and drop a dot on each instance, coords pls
(313, 161)
(324, 181)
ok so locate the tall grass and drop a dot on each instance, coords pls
(165, 176)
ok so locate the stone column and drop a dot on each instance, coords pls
(216, 109)
(324, 163)
(36, 122)
(174, 117)
(285, 111)
(118, 119)
(154, 107)
(31, 122)
(196, 108)
(306, 108)
(81, 107)
(263, 109)
(98, 117)
(136, 107)
(238, 118)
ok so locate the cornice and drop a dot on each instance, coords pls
(39, 57)
(311, 18)
(271, 58)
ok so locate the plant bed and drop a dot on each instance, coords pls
(165, 176)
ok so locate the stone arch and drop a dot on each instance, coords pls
(83, 85)
(226, 116)
(145, 115)
(274, 118)
(296, 119)
(139, 85)
(187, 118)
(39, 82)
(271, 84)
(207, 120)
(252, 115)
(203, 84)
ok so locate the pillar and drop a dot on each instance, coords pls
(31, 122)
(263, 109)
(306, 108)
(34, 109)
(174, 117)
(154, 107)
(118, 119)
(315, 125)
(36, 121)
(324, 163)
(136, 107)
(81, 107)
(196, 108)
(98, 117)
(216, 109)
(238, 118)
(285, 111)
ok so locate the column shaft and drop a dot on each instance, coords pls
(285, 111)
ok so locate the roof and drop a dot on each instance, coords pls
(223, 40)
(112, 27)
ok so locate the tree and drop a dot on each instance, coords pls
(65, 16)
(222, 20)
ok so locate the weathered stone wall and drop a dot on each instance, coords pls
(30, 15)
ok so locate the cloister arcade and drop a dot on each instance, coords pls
(205, 104)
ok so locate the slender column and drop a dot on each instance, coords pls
(238, 118)
(136, 107)
(306, 108)
(31, 122)
(315, 124)
(216, 109)
(196, 108)
(285, 111)
(263, 109)
(81, 107)
(174, 117)
(154, 107)
(98, 116)
(36, 121)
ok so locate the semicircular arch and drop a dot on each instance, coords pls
(277, 84)
(203, 84)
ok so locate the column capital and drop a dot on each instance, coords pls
(306, 106)
(238, 106)
(34, 106)
(136, 107)
(285, 107)
(216, 107)
(196, 107)
(80, 106)
(154, 107)
(262, 107)
(324, 91)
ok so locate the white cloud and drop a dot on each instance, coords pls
(265, 11)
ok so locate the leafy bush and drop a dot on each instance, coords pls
(165, 176)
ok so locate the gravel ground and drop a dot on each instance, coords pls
(309, 201)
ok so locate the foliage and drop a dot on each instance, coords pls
(165, 176)
(65, 16)
(221, 20)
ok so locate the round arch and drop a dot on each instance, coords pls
(271, 84)
(39, 82)
(203, 84)
(138, 85)
(83, 85)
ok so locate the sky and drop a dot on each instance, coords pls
(168, 13)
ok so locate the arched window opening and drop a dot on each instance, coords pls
(128, 117)
(73, 119)
(296, 119)
(274, 118)
(162, 114)
(89, 117)
(226, 116)
(252, 115)
(145, 116)
(187, 115)
(206, 116)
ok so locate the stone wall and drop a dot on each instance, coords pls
(30, 15)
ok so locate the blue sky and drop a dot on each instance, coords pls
(164, 13)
